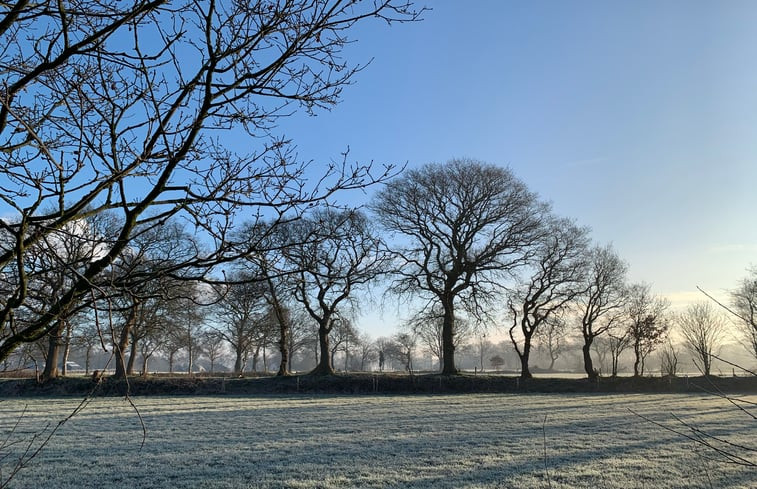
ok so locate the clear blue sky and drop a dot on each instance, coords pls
(637, 118)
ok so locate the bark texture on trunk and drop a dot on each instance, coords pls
(448, 338)
(588, 363)
(132, 357)
(525, 355)
(123, 343)
(53, 353)
(238, 363)
(324, 366)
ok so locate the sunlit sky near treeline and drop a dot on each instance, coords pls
(636, 118)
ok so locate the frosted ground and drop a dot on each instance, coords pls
(472, 441)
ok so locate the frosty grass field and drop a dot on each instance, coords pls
(471, 441)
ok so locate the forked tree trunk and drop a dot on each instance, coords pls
(588, 363)
(123, 342)
(525, 355)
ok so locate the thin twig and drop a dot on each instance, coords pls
(722, 305)
(544, 446)
(703, 439)
(733, 364)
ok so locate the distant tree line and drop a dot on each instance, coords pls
(479, 252)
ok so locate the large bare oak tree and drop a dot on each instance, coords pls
(462, 227)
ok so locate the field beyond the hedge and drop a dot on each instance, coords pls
(440, 441)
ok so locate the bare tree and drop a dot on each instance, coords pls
(483, 347)
(269, 265)
(647, 323)
(157, 108)
(212, 345)
(465, 226)
(87, 337)
(240, 311)
(173, 342)
(669, 358)
(342, 334)
(149, 345)
(143, 281)
(703, 329)
(618, 342)
(332, 254)
(366, 351)
(551, 338)
(300, 334)
(190, 320)
(403, 347)
(555, 277)
(600, 306)
(383, 348)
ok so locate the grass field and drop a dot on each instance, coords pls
(471, 441)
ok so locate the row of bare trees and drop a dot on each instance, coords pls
(475, 245)
(474, 250)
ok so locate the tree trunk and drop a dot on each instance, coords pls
(255, 357)
(641, 365)
(123, 342)
(324, 366)
(615, 360)
(285, 362)
(552, 361)
(87, 355)
(190, 357)
(238, 362)
(588, 364)
(525, 372)
(53, 350)
(637, 361)
(132, 356)
(66, 348)
(145, 358)
(448, 338)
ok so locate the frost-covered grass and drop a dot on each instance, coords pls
(471, 441)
